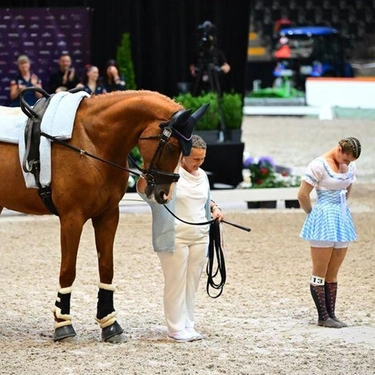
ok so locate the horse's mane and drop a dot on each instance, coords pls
(132, 93)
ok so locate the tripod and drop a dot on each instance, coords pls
(212, 71)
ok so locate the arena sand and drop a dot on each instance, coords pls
(265, 320)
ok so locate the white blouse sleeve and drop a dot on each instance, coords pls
(314, 172)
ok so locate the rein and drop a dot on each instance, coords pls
(83, 152)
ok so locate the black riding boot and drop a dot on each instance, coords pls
(331, 293)
(318, 295)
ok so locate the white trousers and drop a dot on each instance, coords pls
(182, 270)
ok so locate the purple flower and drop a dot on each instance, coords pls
(266, 160)
(248, 161)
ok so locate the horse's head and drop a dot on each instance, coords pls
(162, 156)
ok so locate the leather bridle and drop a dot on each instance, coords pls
(151, 175)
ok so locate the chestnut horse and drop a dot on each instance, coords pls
(107, 126)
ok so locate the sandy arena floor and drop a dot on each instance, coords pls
(265, 321)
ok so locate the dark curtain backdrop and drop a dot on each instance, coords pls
(163, 34)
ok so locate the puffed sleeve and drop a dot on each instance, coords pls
(314, 172)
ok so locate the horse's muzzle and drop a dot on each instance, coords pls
(162, 194)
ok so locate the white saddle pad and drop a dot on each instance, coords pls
(57, 121)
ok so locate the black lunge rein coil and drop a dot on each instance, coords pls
(214, 248)
(215, 267)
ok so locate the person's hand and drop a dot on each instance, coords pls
(65, 77)
(217, 213)
(225, 68)
(72, 73)
(34, 79)
(141, 185)
(193, 71)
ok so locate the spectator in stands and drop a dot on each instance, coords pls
(25, 78)
(90, 81)
(65, 78)
(112, 80)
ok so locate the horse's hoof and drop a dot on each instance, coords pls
(63, 333)
(113, 334)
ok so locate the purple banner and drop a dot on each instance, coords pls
(42, 34)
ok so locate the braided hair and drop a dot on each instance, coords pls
(352, 146)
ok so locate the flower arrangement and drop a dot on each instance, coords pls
(263, 174)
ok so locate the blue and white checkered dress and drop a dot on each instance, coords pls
(330, 218)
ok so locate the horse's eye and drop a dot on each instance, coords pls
(171, 149)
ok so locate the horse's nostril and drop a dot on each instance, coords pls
(148, 191)
(162, 197)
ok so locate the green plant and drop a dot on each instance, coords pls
(125, 62)
(211, 119)
(232, 110)
(137, 158)
(231, 104)
(136, 155)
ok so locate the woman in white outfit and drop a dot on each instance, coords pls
(182, 248)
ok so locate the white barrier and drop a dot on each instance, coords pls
(341, 92)
(235, 195)
(134, 201)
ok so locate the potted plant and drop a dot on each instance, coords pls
(208, 127)
(233, 114)
(125, 61)
(262, 173)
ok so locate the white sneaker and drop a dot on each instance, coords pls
(182, 336)
(196, 335)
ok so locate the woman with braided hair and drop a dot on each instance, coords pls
(329, 226)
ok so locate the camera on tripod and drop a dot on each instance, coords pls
(208, 67)
(206, 37)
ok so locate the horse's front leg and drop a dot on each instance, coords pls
(105, 228)
(70, 234)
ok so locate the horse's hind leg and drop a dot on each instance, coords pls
(70, 234)
(105, 230)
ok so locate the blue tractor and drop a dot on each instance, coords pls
(310, 51)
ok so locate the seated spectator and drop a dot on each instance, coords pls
(112, 80)
(25, 78)
(90, 81)
(65, 78)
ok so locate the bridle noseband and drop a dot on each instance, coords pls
(152, 175)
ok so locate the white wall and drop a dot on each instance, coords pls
(341, 92)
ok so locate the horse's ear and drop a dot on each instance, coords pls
(180, 122)
(183, 123)
(187, 126)
(199, 113)
(181, 118)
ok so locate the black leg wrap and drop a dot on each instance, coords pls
(64, 303)
(105, 303)
(331, 292)
(64, 332)
(318, 295)
(113, 333)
